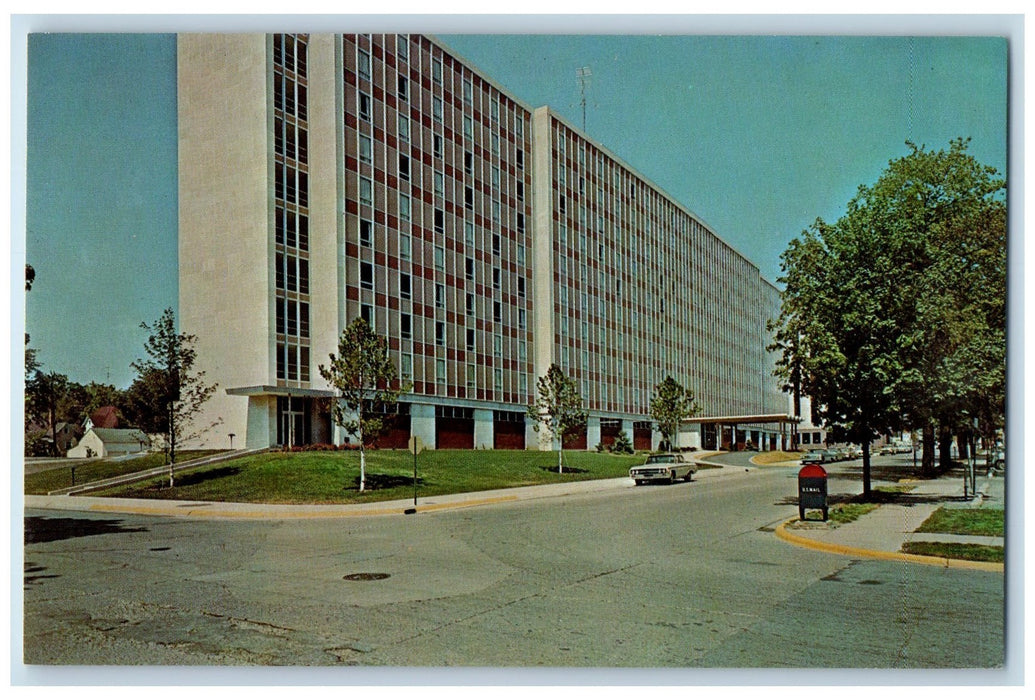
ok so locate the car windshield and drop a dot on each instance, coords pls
(660, 459)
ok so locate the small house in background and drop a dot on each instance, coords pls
(110, 442)
(103, 417)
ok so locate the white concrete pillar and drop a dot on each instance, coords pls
(422, 423)
(484, 429)
(628, 427)
(262, 422)
(592, 433)
(533, 439)
(655, 439)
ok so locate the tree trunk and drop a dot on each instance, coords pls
(560, 457)
(172, 444)
(866, 470)
(927, 456)
(362, 461)
(945, 448)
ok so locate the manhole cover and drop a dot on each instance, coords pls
(365, 577)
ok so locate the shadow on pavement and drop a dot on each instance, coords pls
(40, 529)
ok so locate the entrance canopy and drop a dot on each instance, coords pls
(278, 391)
(750, 420)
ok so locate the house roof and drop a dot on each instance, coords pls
(116, 436)
(105, 417)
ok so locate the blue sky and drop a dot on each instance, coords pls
(758, 135)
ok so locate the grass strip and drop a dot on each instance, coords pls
(333, 477)
(966, 521)
(44, 482)
(956, 550)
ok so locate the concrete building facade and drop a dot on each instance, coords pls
(329, 177)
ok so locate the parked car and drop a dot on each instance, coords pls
(663, 467)
(814, 457)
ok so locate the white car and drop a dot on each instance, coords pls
(663, 467)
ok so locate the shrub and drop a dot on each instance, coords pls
(622, 445)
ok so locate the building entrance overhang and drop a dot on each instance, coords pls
(745, 420)
(267, 390)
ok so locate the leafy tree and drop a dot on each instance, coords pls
(175, 391)
(43, 394)
(557, 409)
(894, 316)
(366, 381)
(670, 406)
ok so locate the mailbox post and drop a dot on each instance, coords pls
(812, 489)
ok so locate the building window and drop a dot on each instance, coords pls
(469, 163)
(406, 366)
(364, 65)
(367, 312)
(521, 319)
(366, 275)
(496, 144)
(469, 269)
(366, 191)
(402, 49)
(404, 207)
(498, 377)
(520, 159)
(436, 145)
(468, 128)
(440, 185)
(436, 70)
(520, 254)
(520, 191)
(404, 167)
(494, 110)
(440, 371)
(497, 312)
(469, 305)
(366, 149)
(440, 224)
(468, 91)
(405, 330)
(470, 378)
(496, 177)
(404, 285)
(404, 128)
(521, 287)
(496, 244)
(404, 246)
(440, 296)
(470, 339)
(496, 278)
(404, 89)
(364, 106)
(520, 222)
(436, 109)
(366, 232)
(440, 333)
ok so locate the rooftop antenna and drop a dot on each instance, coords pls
(582, 75)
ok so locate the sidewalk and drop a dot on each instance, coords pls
(882, 532)
(273, 511)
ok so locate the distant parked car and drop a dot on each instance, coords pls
(662, 467)
(814, 457)
(832, 455)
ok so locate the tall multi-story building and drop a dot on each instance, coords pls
(325, 177)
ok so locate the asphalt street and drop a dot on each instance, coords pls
(663, 577)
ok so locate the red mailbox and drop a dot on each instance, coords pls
(812, 489)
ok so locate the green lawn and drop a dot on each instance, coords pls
(966, 521)
(953, 550)
(333, 477)
(96, 470)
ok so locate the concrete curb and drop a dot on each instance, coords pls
(845, 550)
